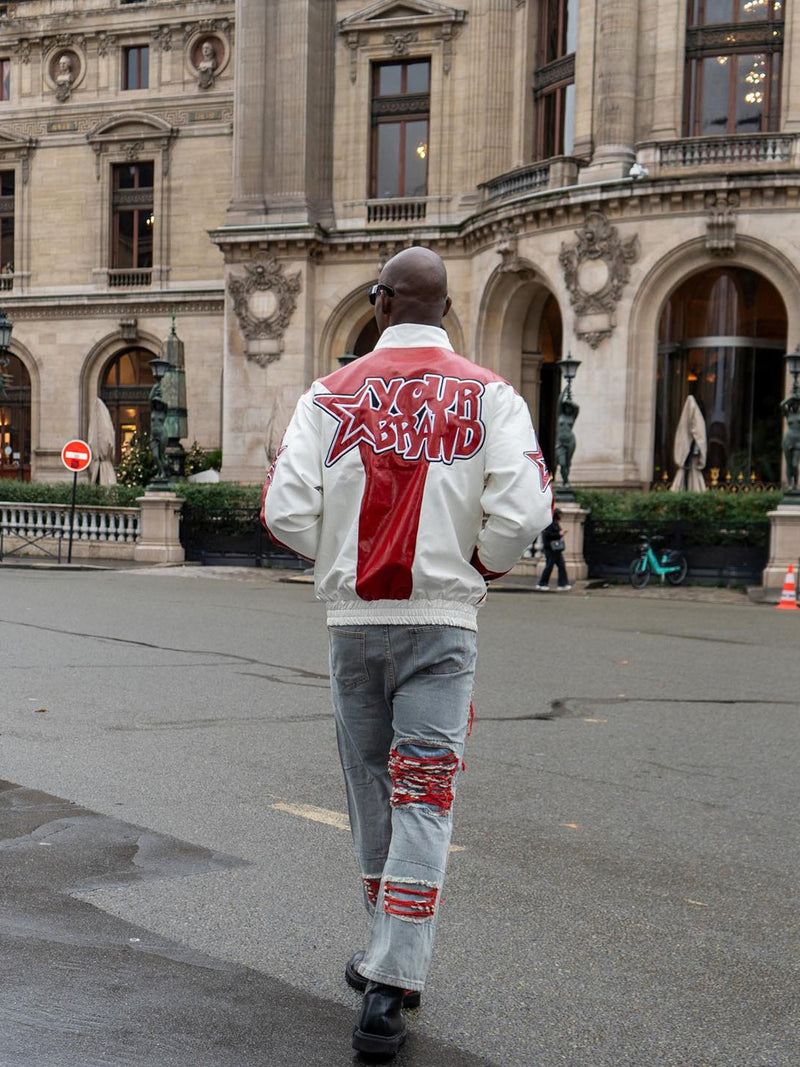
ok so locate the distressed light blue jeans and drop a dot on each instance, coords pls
(401, 697)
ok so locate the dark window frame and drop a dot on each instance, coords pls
(5, 79)
(709, 40)
(554, 73)
(142, 71)
(7, 215)
(397, 109)
(134, 200)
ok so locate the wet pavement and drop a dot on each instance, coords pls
(624, 890)
(82, 988)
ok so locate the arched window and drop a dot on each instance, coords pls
(722, 338)
(15, 418)
(125, 390)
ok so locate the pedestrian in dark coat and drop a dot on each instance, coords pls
(553, 539)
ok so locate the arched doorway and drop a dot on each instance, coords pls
(367, 339)
(15, 418)
(721, 339)
(125, 390)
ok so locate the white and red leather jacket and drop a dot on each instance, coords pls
(409, 477)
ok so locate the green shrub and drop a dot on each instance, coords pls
(61, 493)
(711, 518)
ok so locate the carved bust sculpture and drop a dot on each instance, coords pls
(64, 76)
(207, 66)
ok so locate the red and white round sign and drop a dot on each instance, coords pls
(76, 455)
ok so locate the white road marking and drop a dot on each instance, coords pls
(330, 818)
(308, 811)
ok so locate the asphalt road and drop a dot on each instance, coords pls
(177, 881)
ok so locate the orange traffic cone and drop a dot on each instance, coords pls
(788, 600)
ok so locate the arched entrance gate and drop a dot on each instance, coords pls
(722, 338)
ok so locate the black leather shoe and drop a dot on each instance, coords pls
(380, 1029)
(357, 981)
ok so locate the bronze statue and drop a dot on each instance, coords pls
(791, 439)
(158, 430)
(565, 438)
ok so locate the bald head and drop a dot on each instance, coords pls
(419, 280)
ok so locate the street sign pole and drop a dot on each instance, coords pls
(76, 456)
(72, 515)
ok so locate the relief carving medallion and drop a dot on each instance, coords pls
(264, 300)
(596, 270)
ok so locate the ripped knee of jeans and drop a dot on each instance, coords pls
(410, 900)
(372, 886)
(422, 773)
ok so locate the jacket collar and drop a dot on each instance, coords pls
(413, 335)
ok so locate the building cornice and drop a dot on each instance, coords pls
(625, 200)
(209, 301)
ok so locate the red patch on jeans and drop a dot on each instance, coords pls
(412, 901)
(372, 886)
(423, 779)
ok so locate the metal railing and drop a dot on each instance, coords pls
(732, 552)
(233, 536)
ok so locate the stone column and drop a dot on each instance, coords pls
(784, 545)
(159, 529)
(669, 71)
(252, 117)
(531, 383)
(615, 90)
(573, 520)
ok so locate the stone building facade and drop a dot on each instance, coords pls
(616, 180)
(115, 161)
(611, 179)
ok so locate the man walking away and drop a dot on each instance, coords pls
(411, 477)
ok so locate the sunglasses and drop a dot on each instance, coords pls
(372, 293)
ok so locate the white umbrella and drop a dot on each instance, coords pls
(102, 441)
(690, 449)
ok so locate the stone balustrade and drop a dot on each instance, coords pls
(99, 532)
(775, 149)
(404, 209)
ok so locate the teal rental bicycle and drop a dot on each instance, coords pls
(669, 564)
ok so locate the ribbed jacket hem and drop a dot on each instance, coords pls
(403, 613)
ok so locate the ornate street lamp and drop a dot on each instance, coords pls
(565, 438)
(5, 343)
(791, 439)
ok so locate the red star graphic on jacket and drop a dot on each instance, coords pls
(537, 459)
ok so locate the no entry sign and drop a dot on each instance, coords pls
(76, 456)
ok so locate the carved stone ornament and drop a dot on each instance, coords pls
(507, 249)
(596, 270)
(264, 300)
(396, 25)
(721, 223)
